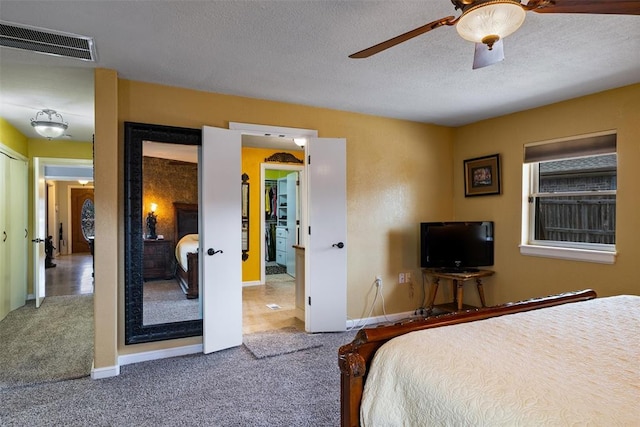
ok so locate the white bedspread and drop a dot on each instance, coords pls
(575, 364)
(189, 243)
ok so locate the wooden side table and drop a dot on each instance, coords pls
(457, 282)
(156, 261)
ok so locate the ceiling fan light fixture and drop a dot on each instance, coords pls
(490, 21)
(49, 128)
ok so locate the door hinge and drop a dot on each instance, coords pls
(309, 230)
(309, 300)
(309, 159)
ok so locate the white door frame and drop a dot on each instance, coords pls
(282, 132)
(263, 226)
(39, 214)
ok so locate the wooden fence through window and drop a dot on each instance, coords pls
(589, 219)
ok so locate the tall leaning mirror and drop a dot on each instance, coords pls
(161, 235)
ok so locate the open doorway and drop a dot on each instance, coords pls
(69, 237)
(273, 303)
(60, 269)
(281, 213)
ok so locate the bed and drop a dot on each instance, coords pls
(558, 360)
(186, 234)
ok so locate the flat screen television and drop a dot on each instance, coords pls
(456, 246)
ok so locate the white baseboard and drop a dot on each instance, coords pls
(127, 359)
(31, 296)
(360, 323)
(253, 283)
(106, 372)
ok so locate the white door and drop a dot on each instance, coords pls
(18, 246)
(325, 246)
(39, 230)
(292, 220)
(5, 185)
(220, 238)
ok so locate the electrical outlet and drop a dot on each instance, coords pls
(401, 278)
(378, 281)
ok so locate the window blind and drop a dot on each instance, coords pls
(586, 146)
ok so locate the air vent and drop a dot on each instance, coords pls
(49, 42)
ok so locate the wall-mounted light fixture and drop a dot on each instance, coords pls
(300, 142)
(51, 127)
(83, 182)
(152, 220)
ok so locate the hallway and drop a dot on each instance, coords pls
(72, 275)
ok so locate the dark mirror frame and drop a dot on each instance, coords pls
(134, 135)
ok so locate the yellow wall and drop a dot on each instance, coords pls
(12, 138)
(109, 221)
(388, 195)
(399, 174)
(59, 149)
(518, 276)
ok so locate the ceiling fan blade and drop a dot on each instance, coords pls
(483, 56)
(616, 7)
(449, 20)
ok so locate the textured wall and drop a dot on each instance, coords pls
(524, 276)
(165, 182)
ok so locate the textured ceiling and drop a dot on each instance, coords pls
(297, 51)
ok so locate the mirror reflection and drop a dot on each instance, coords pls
(170, 233)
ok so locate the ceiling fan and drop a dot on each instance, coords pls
(488, 22)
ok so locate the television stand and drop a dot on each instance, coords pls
(457, 270)
(457, 278)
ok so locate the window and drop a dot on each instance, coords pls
(569, 206)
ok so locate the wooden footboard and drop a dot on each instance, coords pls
(192, 263)
(189, 279)
(354, 358)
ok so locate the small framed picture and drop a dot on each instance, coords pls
(482, 176)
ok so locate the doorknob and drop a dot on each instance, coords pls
(339, 245)
(210, 251)
(38, 240)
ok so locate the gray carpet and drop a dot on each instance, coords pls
(164, 302)
(51, 343)
(279, 342)
(227, 388)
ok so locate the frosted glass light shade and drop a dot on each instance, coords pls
(493, 18)
(49, 129)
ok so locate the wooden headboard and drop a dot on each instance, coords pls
(186, 219)
(355, 358)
